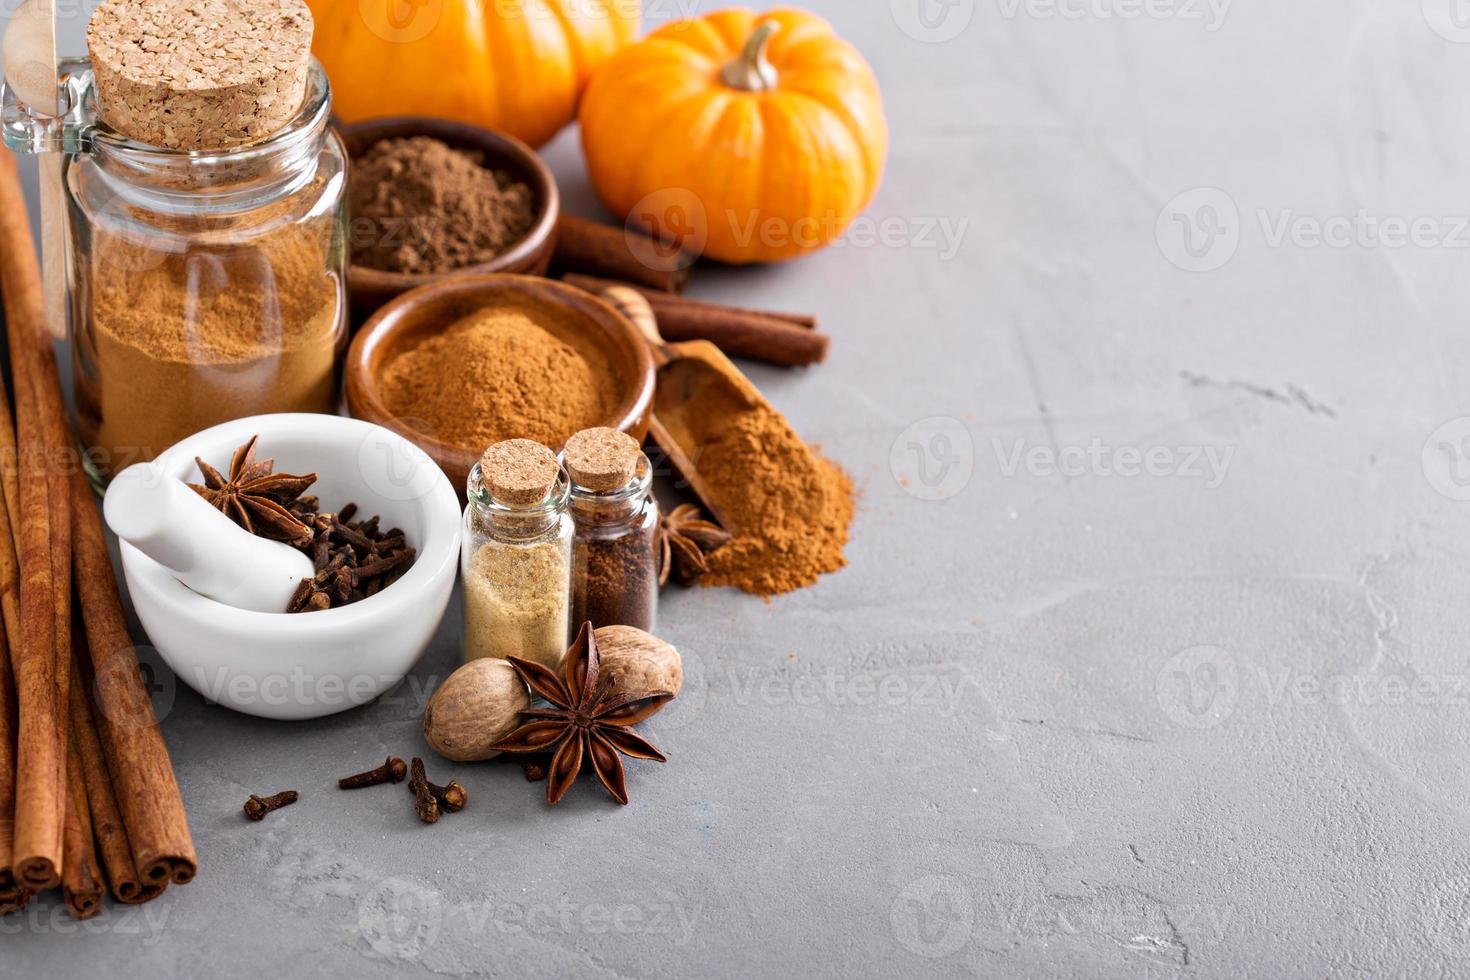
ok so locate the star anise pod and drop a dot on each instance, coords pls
(255, 498)
(586, 719)
(684, 541)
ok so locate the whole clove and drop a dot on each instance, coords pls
(392, 770)
(452, 798)
(448, 799)
(418, 784)
(257, 807)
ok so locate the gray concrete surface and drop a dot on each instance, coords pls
(1171, 680)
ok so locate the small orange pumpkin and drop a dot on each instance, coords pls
(746, 137)
(518, 67)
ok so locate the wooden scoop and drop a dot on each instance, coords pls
(30, 69)
(29, 54)
(700, 392)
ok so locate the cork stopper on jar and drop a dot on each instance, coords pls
(200, 74)
(519, 472)
(602, 460)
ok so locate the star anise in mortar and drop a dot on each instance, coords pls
(684, 541)
(256, 498)
(586, 719)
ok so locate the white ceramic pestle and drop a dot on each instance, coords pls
(200, 546)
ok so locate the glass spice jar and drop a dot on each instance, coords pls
(516, 555)
(615, 553)
(203, 285)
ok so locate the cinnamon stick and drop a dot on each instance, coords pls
(137, 758)
(81, 884)
(12, 893)
(9, 478)
(604, 250)
(41, 783)
(594, 284)
(108, 829)
(738, 332)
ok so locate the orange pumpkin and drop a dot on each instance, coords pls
(746, 137)
(518, 67)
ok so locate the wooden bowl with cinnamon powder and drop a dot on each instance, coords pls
(400, 224)
(471, 360)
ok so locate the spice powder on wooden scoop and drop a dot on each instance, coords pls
(787, 505)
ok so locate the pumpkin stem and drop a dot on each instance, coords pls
(752, 71)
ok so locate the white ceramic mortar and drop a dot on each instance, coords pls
(309, 665)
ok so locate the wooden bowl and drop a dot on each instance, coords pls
(371, 288)
(574, 316)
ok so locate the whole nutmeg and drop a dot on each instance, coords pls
(477, 706)
(641, 661)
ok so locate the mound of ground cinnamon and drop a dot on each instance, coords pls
(789, 507)
(497, 374)
(421, 206)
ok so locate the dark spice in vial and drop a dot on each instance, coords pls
(615, 551)
(616, 580)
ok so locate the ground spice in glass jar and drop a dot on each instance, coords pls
(614, 553)
(516, 556)
(204, 286)
(179, 341)
(421, 206)
(516, 602)
(499, 374)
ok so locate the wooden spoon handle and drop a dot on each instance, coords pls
(30, 68)
(633, 305)
(637, 309)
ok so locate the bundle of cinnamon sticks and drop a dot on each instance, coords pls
(593, 256)
(88, 798)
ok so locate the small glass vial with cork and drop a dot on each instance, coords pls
(615, 553)
(516, 556)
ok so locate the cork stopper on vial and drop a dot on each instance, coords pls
(519, 472)
(200, 74)
(602, 460)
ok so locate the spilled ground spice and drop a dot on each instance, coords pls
(420, 205)
(789, 507)
(497, 374)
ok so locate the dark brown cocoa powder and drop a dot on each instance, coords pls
(422, 206)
